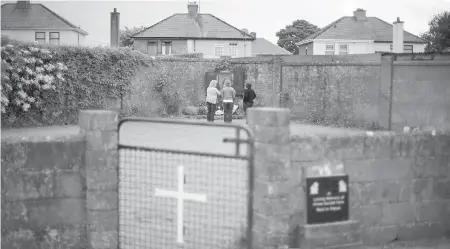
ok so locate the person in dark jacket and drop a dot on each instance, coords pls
(249, 96)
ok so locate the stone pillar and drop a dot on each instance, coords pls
(271, 212)
(101, 160)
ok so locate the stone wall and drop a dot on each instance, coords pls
(398, 182)
(43, 192)
(60, 185)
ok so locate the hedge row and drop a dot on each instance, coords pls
(93, 77)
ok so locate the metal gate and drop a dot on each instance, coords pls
(180, 198)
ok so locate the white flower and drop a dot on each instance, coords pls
(59, 76)
(26, 106)
(6, 77)
(45, 86)
(22, 94)
(33, 49)
(9, 46)
(26, 52)
(31, 99)
(39, 61)
(28, 70)
(39, 69)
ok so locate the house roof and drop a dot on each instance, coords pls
(348, 28)
(205, 26)
(36, 16)
(262, 46)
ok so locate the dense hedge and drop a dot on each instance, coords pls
(94, 78)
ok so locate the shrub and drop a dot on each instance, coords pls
(27, 73)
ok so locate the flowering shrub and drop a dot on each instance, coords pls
(26, 74)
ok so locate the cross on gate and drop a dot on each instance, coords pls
(181, 196)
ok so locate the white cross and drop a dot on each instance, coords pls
(180, 195)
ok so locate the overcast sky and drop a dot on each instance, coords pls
(261, 16)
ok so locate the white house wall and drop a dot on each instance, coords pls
(207, 47)
(360, 47)
(66, 37)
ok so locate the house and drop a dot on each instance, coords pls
(25, 21)
(193, 32)
(263, 47)
(359, 34)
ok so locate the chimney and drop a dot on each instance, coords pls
(23, 5)
(397, 36)
(253, 34)
(115, 18)
(360, 14)
(192, 9)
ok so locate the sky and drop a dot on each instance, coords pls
(261, 16)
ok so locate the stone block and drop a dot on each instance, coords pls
(103, 239)
(418, 145)
(43, 213)
(60, 155)
(431, 211)
(19, 239)
(101, 199)
(381, 145)
(14, 216)
(102, 179)
(69, 184)
(103, 220)
(330, 234)
(430, 166)
(63, 237)
(374, 236)
(442, 144)
(379, 169)
(422, 230)
(368, 216)
(341, 148)
(102, 160)
(101, 141)
(384, 191)
(441, 188)
(98, 120)
(27, 185)
(307, 148)
(423, 189)
(398, 213)
(271, 135)
(268, 116)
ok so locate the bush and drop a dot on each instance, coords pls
(93, 77)
(27, 73)
(190, 110)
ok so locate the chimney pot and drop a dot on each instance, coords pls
(115, 10)
(192, 9)
(360, 14)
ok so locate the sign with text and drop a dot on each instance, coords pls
(327, 199)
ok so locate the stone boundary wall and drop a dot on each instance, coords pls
(398, 182)
(61, 191)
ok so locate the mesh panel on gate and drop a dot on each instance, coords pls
(214, 205)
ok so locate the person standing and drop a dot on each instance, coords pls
(228, 95)
(249, 96)
(211, 100)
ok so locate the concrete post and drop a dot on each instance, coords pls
(270, 127)
(101, 159)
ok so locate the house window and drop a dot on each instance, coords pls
(54, 38)
(152, 48)
(218, 51)
(232, 50)
(166, 48)
(40, 37)
(343, 49)
(408, 49)
(329, 49)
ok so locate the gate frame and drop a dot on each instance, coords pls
(250, 141)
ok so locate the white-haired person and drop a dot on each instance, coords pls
(211, 100)
(228, 96)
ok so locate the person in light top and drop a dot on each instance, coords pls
(211, 100)
(228, 96)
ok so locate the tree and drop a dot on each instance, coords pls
(293, 33)
(125, 39)
(438, 35)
